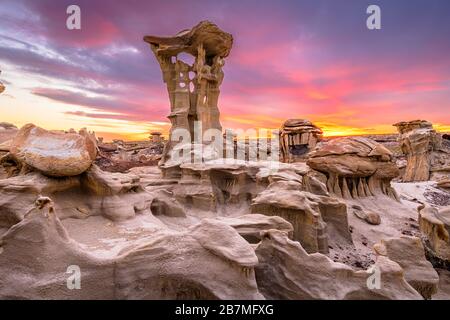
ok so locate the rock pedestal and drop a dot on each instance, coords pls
(298, 138)
(355, 167)
(193, 89)
(417, 140)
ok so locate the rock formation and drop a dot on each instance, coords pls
(215, 265)
(409, 253)
(417, 139)
(355, 167)
(313, 217)
(193, 89)
(287, 271)
(155, 137)
(53, 153)
(330, 227)
(120, 156)
(298, 137)
(435, 227)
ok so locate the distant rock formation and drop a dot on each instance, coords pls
(193, 89)
(355, 167)
(418, 140)
(298, 137)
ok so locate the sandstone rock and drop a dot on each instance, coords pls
(444, 184)
(409, 253)
(7, 132)
(356, 167)
(298, 137)
(435, 226)
(38, 252)
(54, 153)
(224, 241)
(312, 216)
(193, 89)
(112, 195)
(287, 271)
(252, 226)
(369, 216)
(418, 139)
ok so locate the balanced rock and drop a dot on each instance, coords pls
(356, 167)
(298, 137)
(417, 140)
(54, 154)
(193, 89)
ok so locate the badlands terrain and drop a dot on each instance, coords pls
(233, 229)
(364, 217)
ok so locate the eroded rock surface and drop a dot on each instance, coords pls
(418, 139)
(435, 226)
(298, 137)
(287, 271)
(355, 167)
(193, 89)
(312, 216)
(409, 253)
(54, 154)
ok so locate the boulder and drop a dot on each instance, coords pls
(54, 154)
(40, 257)
(370, 217)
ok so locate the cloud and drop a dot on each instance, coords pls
(294, 59)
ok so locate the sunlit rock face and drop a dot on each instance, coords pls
(355, 167)
(298, 137)
(418, 140)
(56, 154)
(193, 88)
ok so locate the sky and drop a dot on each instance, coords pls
(308, 59)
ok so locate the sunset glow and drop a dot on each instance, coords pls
(306, 59)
